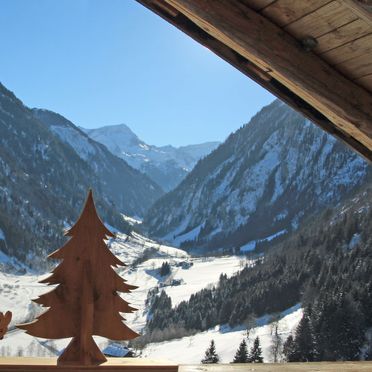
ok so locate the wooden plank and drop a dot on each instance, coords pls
(283, 367)
(112, 364)
(365, 82)
(347, 105)
(363, 11)
(343, 35)
(357, 67)
(321, 21)
(256, 74)
(283, 12)
(142, 364)
(257, 4)
(349, 51)
(86, 302)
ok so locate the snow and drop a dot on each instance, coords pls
(2, 235)
(190, 350)
(122, 142)
(171, 236)
(273, 236)
(132, 220)
(250, 246)
(76, 140)
(11, 264)
(354, 241)
(115, 350)
(191, 235)
(16, 291)
(204, 273)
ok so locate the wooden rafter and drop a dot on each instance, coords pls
(275, 60)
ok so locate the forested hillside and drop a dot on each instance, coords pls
(265, 179)
(326, 265)
(47, 166)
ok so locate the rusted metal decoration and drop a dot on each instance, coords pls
(4, 323)
(86, 301)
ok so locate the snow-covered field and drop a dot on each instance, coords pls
(143, 257)
(190, 350)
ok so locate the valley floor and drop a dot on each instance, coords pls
(188, 275)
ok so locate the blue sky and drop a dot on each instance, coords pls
(104, 62)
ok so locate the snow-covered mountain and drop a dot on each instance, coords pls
(260, 183)
(166, 165)
(46, 167)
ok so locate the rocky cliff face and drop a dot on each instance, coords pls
(261, 182)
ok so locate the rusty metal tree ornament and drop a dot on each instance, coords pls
(86, 301)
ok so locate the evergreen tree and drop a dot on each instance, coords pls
(289, 349)
(165, 269)
(304, 339)
(241, 355)
(256, 353)
(210, 356)
(339, 329)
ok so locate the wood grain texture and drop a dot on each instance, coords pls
(357, 67)
(257, 4)
(256, 73)
(365, 81)
(322, 21)
(343, 35)
(283, 12)
(139, 365)
(251, 35)
(283, 367)
(362, 10)
(86, 300)
(353, 49)
(112, 364)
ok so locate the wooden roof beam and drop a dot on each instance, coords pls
(275, 60)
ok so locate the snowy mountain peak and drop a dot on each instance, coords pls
(114, 136)
(166, 165)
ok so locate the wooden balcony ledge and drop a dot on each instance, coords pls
(139, 365)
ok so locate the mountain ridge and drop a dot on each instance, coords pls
(166, 165)
(265, 178)
(44, 179)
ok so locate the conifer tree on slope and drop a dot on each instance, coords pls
(241, 355)
(211, 356)
(86, 301)
(305, 348)
(289, 349)
(256, 353)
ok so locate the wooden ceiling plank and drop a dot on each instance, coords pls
(257, 4)
(357, 67)
(259, 76)
(343, 35)
(321, 21)
(365, 81)
(349, 51)
(283, 12)
(362, 11)
(260, 41)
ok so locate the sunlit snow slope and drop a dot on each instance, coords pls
(16, 291)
